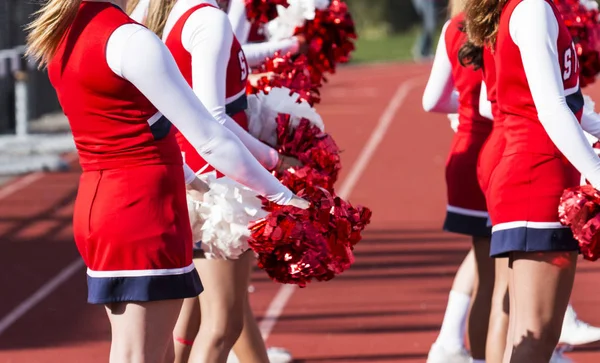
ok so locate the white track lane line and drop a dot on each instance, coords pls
(285, 292)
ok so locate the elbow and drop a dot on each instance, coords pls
(428, 104)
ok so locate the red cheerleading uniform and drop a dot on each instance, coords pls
(237, 76)
(494, 146)
(130, 221)
(466, 211)
(526, 186)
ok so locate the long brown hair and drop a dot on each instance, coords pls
(158, 13)
(482, 18)
(49, 28)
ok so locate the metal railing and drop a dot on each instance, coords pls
(25, 91)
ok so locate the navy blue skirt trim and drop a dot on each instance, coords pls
(106, 290)
(524, 239)
(469, 225)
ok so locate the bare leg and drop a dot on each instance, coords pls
(222, 307)
(186, 330)
(250, 347)
(542, 284)
(480, 310)
(498, 326)
(141, 332)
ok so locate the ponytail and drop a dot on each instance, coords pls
(482, 18)
(470, 54)
(131, 5)
(49, 28)
(158, 12)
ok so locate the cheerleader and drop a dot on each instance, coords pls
(537, 90)
(466, 212)
(200, 37)
(120, 90)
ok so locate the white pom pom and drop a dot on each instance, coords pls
(221, 218)
(263, 110)
(288, 19)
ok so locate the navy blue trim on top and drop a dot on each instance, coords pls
(523, 239)
(161, 128)
(575, 101)
(238, 105)
(105, 290)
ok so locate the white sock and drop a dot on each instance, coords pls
(478, 361)
(570, 315)
(452, 333)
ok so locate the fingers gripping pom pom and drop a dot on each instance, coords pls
(579, 209)
(221, 216)
(298, 246)
(317, 151)
(263, 110)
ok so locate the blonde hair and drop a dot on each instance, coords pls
(131, 4)
(49, 28)
(456, 7)
(482, 18)
(158, 13)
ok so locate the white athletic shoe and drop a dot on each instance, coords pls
(276, 355)
(577, 332)
(439, 354)
(279, 355)
(558, 357)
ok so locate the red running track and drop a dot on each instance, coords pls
(387, 308)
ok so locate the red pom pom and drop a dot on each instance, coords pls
(316, 150)
(580, 209)
(330, 37)
(298, 246)
(263, 11)
(290, 72)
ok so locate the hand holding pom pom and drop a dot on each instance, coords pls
(299, 246)
(580, 210)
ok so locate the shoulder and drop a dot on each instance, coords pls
(209, 19)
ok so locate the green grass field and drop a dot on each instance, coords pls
(392, 48)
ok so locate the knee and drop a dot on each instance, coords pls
(227, 330)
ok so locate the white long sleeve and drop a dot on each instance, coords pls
(139, 56)
(534, 29)
(439, 95)
(207, 35)
(239, 21)
(485, 106)
(256, 52)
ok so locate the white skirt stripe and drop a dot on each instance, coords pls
(527, 224)
(467, 212)
(140, 273)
